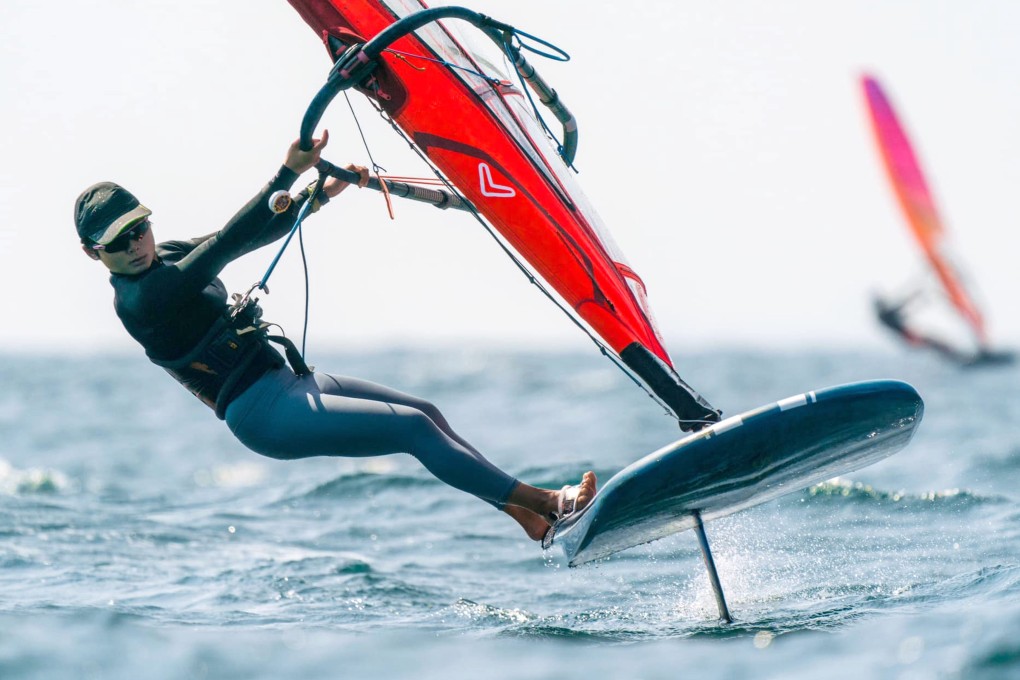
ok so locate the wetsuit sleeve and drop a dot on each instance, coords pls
(254, 226)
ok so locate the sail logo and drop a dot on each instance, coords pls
(489, 186)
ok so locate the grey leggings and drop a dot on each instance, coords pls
(284, 416)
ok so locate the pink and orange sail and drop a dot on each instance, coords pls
(917, 202)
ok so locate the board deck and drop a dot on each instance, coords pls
(742, 461)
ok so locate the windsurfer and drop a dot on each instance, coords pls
(893, 316)
(170, 299)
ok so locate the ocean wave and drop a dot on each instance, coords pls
(235, 475)
(516, 622)
(361, 483)
(488, 614)
(840, 488)
(15, 482)
(991, 583)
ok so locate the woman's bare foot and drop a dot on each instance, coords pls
(534, 508)
(534, 525)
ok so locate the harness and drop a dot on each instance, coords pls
(216, 368)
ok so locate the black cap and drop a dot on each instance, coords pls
(104, 210)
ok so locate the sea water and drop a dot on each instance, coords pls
(138, 539)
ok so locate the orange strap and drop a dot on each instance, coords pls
(386, 193)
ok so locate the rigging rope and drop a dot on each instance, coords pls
(506, 38)
(527, 90)
(443, 62)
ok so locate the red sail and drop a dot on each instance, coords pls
(481, 132)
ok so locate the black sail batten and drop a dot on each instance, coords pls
(691, 409)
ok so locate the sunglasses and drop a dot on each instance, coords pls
(123, 242)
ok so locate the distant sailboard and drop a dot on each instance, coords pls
(493, 156)
(930, 234)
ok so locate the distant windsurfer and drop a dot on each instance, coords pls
(894, 317)
(918, 203)
(170, 300)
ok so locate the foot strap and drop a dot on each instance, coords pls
(566, 502)
(550, 534)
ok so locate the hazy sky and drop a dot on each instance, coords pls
(725, 144)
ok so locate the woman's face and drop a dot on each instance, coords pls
(136, 258)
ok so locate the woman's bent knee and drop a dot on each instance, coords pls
(429, 410)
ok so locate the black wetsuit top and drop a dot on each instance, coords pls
(171, 306)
